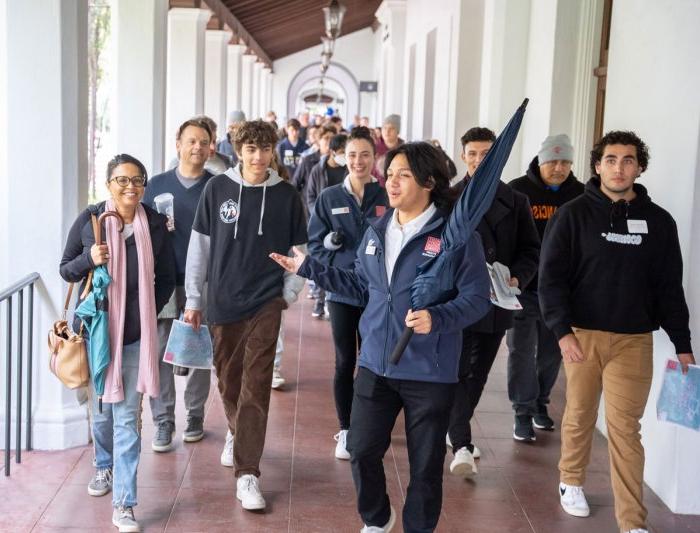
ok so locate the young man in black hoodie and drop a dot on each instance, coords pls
(611, 274)
(534, 357)
(508, 235)
(243, 216)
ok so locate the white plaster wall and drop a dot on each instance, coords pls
(355, 52)
(652, 88)
(4, 178)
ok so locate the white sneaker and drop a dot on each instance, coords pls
(227, 452)
(476, 454)
(123, 518)
(385, 529)
(463, 464)
(277, 380)
(248, 492)
(341, 448)
(573, 500)
(638, 530)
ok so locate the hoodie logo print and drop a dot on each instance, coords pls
(229, 212)
(619, 238)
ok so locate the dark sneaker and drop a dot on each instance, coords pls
(163, 439)
(195, 429)
(123, 518)
(542, 420)
(319, 310)
(101, 482)
(522, 429)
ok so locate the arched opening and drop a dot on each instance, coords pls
(338, 80)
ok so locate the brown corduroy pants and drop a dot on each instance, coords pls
(621, 366)
(244, 352)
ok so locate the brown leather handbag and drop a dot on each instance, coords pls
(68, 353)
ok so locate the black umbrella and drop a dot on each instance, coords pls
(435, 280)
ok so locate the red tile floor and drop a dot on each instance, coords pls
(307, 490)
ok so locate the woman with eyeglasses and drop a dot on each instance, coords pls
(140, 262)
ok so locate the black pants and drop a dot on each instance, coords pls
(534, 359)
(345, 320)
(376, 404)
(478, 354)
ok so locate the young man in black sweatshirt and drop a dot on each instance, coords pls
(611, 273)
(243, 216)
(533, 353)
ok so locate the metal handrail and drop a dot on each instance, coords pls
(7, 295)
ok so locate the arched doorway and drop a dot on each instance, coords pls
(338, 74)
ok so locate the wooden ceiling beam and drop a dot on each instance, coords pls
(224, 14)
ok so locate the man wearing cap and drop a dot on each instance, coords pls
(225, 146)
(391, 126)
(534, 355)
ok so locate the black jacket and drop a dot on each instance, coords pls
(318, 180)
(509, 236)
(613, 267)
(544, 201)
(76, 263)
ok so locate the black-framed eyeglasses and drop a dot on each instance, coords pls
(123, 181)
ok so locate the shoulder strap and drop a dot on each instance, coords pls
(65, 307)
(96, 232)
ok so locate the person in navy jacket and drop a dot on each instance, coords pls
(423, 382)
(338, 223)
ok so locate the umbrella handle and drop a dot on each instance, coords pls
(401, 345)
(98, 228)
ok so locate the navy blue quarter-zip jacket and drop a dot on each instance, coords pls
(433, 357)
(336, 210)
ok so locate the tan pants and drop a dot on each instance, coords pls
(621, 365)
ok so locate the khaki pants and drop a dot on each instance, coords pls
(621, 366)
(244, 352)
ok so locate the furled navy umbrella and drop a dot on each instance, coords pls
(93, 312)
(434, 283)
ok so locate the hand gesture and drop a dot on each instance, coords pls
(99, 254)
(420, 321)
(571, 349)
(290, 264)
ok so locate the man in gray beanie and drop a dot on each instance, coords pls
(225, 146)
(534, 356)
(391, 126)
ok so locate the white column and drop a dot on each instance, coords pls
(266, 76)
(45, 109)
(138, 102)
(257, 86)
(215, 77)
(392, 15)
(185, 87)
(270, 89)
(233, 73)
(247, 85)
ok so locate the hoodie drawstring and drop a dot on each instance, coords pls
(240, 197)
(262, 209)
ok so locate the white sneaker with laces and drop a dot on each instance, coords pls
(277, 380)
(123, 518)
(248, 492)
(476, 454)
(463, 464)
(385, 529)
(573, 500)
(227, 452)
(341, 448)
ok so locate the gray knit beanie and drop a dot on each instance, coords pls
(236, 116)
(556, 147)
(394, 120)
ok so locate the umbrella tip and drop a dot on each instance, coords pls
(525, 102)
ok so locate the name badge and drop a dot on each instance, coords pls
(371, 248)
(340, 211)
(637, 226)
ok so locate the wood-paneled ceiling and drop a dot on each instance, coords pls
(282, 27)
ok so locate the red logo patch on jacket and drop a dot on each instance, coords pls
(432, 246)
(379, 210)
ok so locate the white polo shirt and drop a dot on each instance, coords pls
(397, 236)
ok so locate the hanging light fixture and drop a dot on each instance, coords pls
(333, 15)
(328, 45)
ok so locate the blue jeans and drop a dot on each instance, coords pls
(116, 432)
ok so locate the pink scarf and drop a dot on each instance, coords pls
(148, 382)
